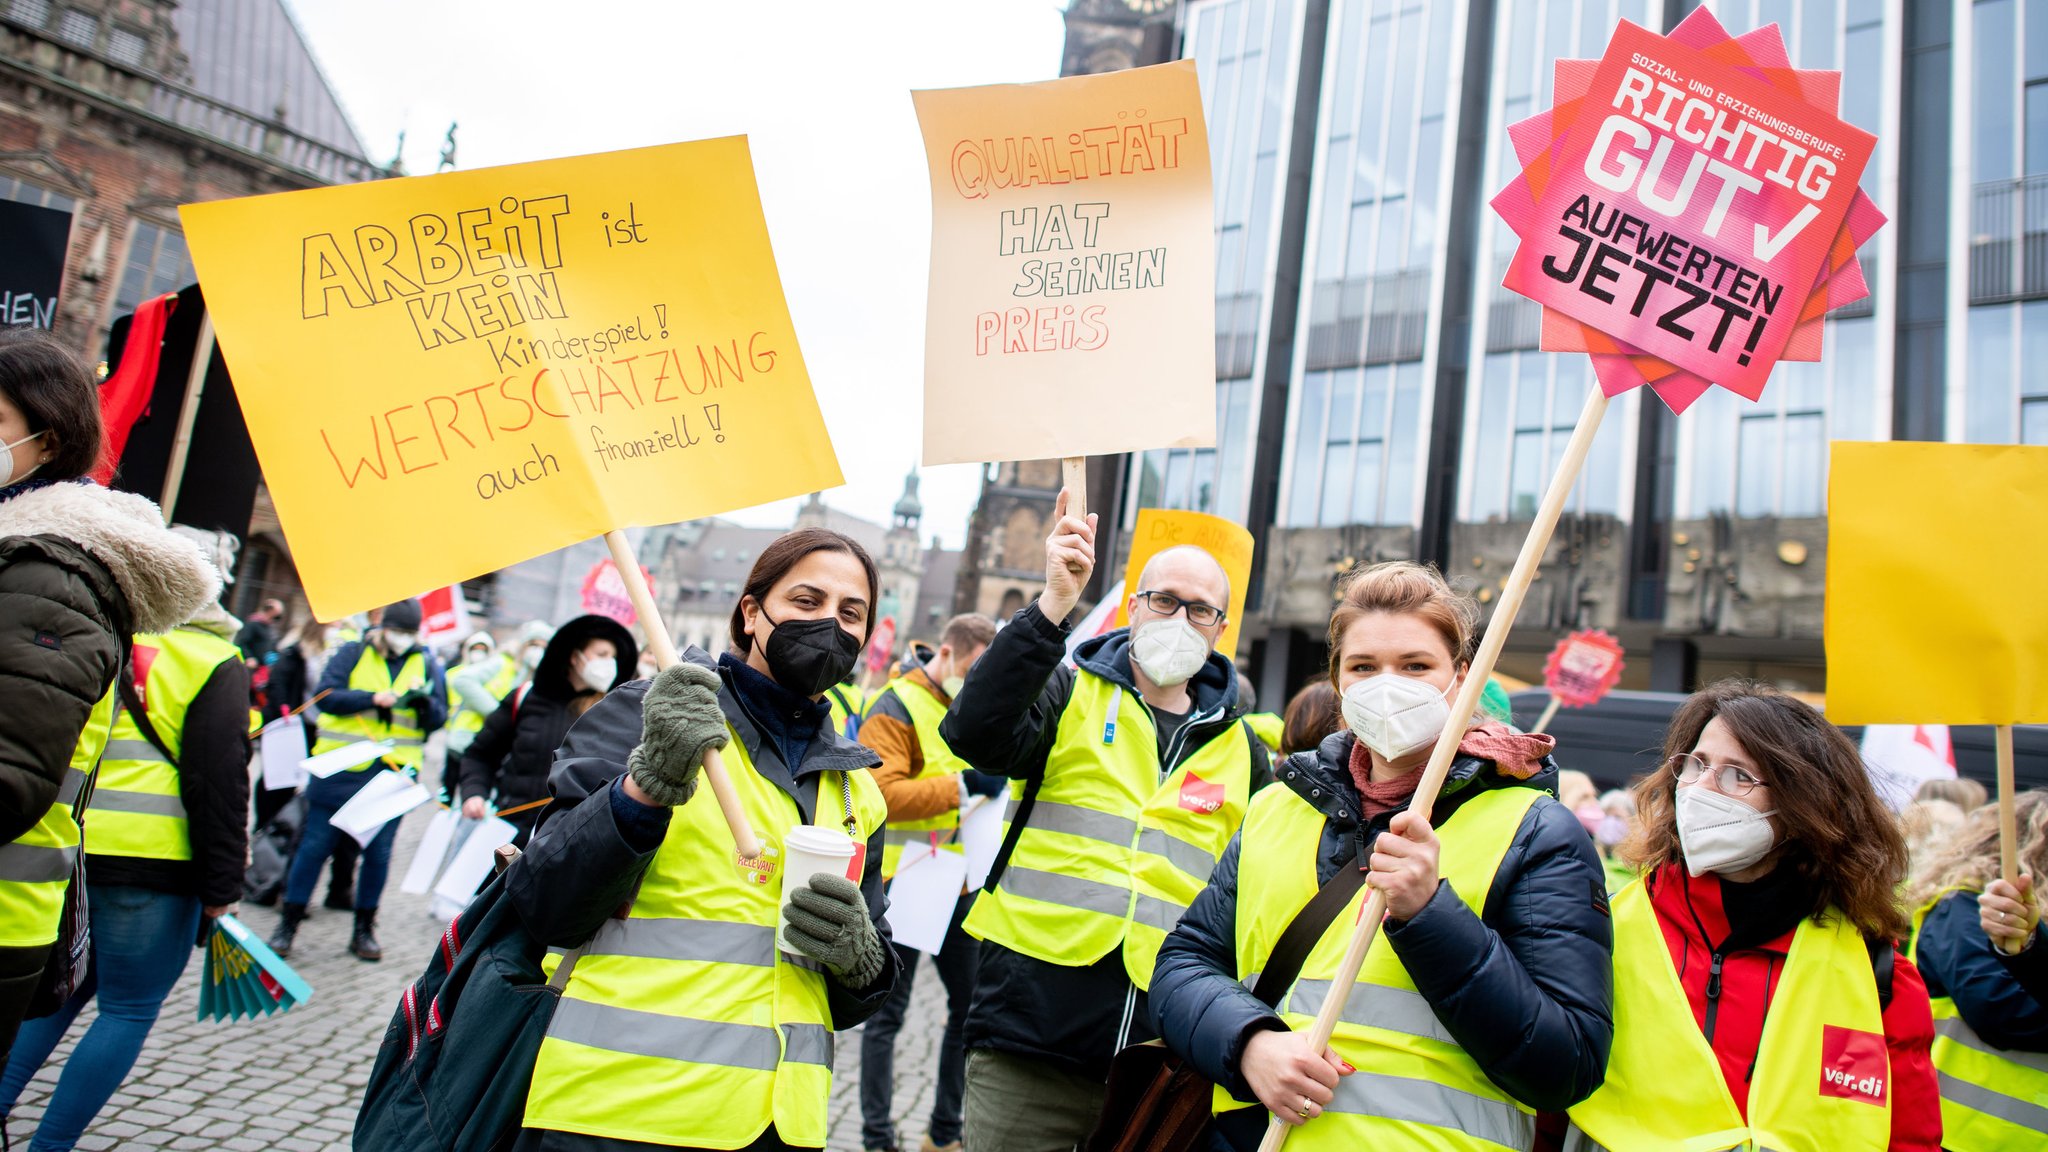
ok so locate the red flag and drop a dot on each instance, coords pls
(125, 395)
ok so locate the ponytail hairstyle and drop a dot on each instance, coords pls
(1405, 588)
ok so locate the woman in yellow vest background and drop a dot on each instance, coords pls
(1486, 997)
(685, 1022)
(1758, 998)
(81, 569)
(1990, 1004)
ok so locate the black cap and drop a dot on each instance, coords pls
(403, 616)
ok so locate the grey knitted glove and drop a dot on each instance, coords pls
(679, 719)
(828, 921)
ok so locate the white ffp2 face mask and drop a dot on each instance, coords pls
(1170, 651)
(1395, 715)
(7, 450)
(598, 673)
(1720, 833)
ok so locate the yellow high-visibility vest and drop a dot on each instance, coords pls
(138, 807)
(500, 685)
(1113, 853)
(684, 1024)
(1415, 1086)
(849, 704)
(1991, 1098)
(1823, 1072)
(35, 868)
(939, 761)
(372, 674)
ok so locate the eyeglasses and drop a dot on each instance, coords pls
(1728, 778)
(1199, 614)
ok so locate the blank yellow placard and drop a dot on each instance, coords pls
(1073, 278)
(448, 374)
(1159, 529)
(1936, 556)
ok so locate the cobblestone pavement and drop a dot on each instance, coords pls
(292, 1082)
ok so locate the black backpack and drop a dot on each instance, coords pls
(456, 1061)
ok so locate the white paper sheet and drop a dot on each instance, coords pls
(981, 833)
(284, 753)
(923, 894)
(385, 798)
(432, 857)
(345, 757)
(473, 860)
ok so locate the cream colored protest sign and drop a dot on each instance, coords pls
(1921, 537)
(1159, 529)
(1073, 277)
(448, 374)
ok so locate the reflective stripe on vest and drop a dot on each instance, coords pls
(138, 809)
(372, 674)
(1415, 1086)
(1823, 1073)
(682, 1025)
(35, 867)
(1113, 855)
(925, 714)
(1991, 1098)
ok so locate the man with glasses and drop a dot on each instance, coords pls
(1129, 774)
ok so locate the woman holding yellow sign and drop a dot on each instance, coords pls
(687, 1020)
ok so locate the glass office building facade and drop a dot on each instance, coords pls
(1380, 396)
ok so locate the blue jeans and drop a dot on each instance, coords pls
(324, 797)
(141, 941)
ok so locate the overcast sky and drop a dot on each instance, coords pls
(820, 87)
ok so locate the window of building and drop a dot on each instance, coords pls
(157, 263)
(32, 12)
(80, 28)
(22, 192)
(2008, 82)
(1528, 403)
(1355, 447)
(1244, 52)
(125, 46)
(2005, 402)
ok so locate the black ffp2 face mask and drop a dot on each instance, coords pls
(809, 656)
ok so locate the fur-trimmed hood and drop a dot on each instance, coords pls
(164, 576)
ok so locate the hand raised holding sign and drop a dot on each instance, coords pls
(1069, 559)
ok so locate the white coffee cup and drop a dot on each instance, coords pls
(809, 851)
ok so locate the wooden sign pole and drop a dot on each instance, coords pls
(2008, 824)
(1462, 708)
(1543, 721)
(1074, 474)
(664, 650)
(188, 415)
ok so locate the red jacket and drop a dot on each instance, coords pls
(1692, 915)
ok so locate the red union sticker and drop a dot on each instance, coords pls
(1853, 1064)
(1198, 795)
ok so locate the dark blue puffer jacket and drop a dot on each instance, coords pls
(2003, 999)
(1526, 987)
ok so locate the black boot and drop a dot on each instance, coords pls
(364, 941)
(289, 916)
(340, 897)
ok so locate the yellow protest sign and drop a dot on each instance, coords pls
(1232, 546)
(447, 374)
(1923, 541)
(1073, 276)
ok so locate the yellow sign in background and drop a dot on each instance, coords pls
(1073, 284)
(448, 374)
(1232, 546)
(1922, 539)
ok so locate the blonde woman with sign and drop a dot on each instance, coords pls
(1977, 939)
(1758, 997)
(1491, 1000)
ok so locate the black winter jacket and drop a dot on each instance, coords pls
(82, 569)
(1526, 987)
(515, 750)
(1005, 722)
(2004, 999)
(213, 784)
